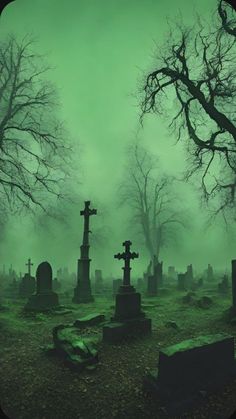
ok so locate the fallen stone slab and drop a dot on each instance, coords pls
(90, 320)
(78, 351)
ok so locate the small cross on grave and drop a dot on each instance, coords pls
(127, 256)
(29, 264)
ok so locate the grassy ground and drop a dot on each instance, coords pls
(37, 386)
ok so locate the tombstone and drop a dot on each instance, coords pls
(129, 320)
(151, 286)
(98, 286)
(181, 282)
(203, 363)
(158, 272)
(172, 273)
(210, 274)
(26, 286)
(82, 292)
(234, 286)
(45, 298)
(116, 283)
(189, 276)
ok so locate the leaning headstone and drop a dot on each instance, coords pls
(129, 319)
(191, 366)
(44, 298)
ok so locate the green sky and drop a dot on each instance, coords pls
(99, 51)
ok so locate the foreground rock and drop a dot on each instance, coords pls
(77, 350)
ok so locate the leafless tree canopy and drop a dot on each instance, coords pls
(152, 203)
(195, 70)
(33, 152)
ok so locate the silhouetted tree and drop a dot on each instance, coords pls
(196, 70)
(33, 150)
(151, 200)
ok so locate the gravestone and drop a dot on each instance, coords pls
(172, 273)
(82, 292)
(44, 298)
(189, 276)
(129, 320)
(158, 272)
(210, 274)
(116, 283)
(191, 366)
(181, 282)
(98, 286)
(200, 282)
(151, 286)
(26, 286)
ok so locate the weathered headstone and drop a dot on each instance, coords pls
(98, 286)
(210, 273)
(191, 366)
(151, 286)
(200, 282)
(158, 272)
(181, 282)
(172, 273)
(82, 292)
(116, 283)
(44, 298)
(189, 276)
(129, 319)
(26, 286)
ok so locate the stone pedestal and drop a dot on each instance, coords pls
(42, 302)
(82, 291)
(129, 320)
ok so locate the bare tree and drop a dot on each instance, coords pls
(33, 151)
(196, 69)
(153, 205)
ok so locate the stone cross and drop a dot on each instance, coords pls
(127, 256)
(29, 264)
(87, 212)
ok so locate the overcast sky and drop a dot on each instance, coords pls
(99, 51)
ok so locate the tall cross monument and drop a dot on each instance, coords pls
(82, 292)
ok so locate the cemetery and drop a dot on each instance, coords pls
(117, 209)
(163, 354)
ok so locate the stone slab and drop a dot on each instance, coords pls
(115, 332)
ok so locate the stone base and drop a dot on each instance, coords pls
(128, 304)
(82, 296)
(42, 302)
(115, 332)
